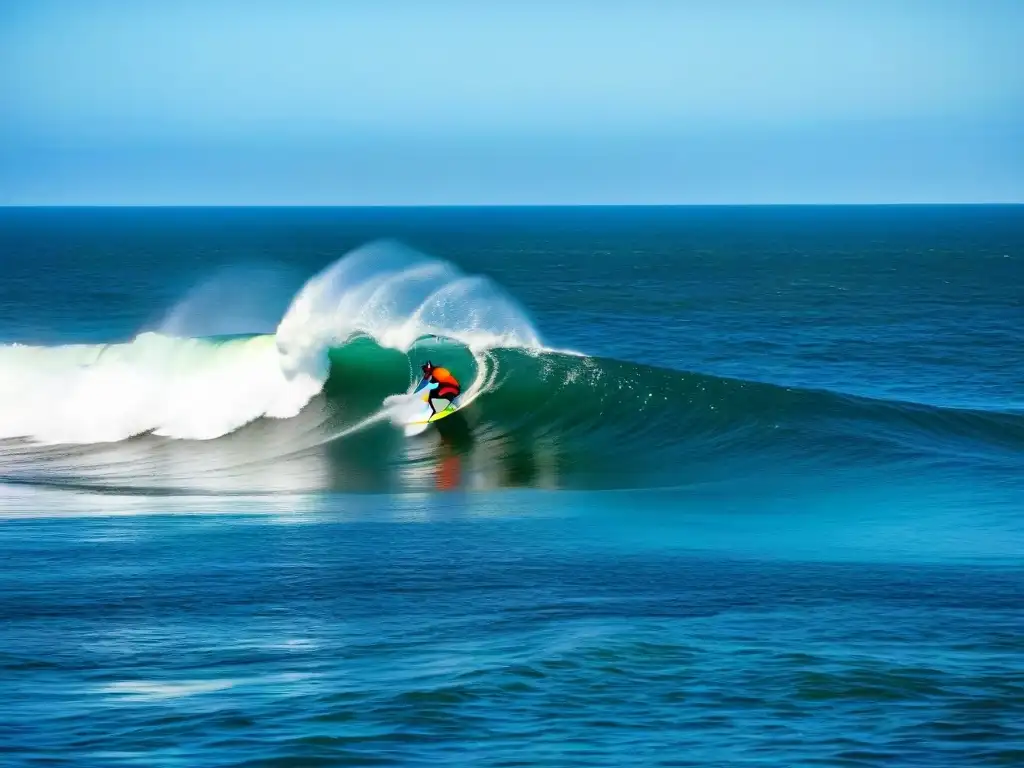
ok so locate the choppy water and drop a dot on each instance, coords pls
(730, 486)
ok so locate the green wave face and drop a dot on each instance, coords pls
(567, 421)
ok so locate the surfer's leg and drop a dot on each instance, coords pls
(438, 404)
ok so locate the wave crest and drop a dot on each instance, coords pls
(396, 296)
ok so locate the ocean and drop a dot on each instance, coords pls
(728, 486)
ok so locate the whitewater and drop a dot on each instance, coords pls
(205, 388)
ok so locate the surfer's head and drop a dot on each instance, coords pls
(427, 368)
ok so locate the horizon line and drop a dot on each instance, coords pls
(378, 206)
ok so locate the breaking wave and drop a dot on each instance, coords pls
(205, 388)
(310, 406)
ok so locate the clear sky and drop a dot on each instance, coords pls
(346, 102)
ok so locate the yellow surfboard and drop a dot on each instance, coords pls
(429, 417)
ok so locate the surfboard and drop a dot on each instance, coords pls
(427, 416)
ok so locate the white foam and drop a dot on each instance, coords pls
(182, 388)
(151, 690)
(199, 389)
(158, 690)
(397, 296)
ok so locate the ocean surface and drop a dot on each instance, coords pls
(729, 486)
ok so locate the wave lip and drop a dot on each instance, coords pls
(397, 296)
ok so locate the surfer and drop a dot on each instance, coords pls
(444, 386)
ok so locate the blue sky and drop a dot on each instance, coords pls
(445, 102)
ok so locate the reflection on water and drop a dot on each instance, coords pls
(312, 453)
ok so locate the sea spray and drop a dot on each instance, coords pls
(205, 388)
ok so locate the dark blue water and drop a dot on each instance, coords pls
(730, 486)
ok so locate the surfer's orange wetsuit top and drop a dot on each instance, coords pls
(448, 384)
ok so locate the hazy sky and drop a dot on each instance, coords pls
(443, 102)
